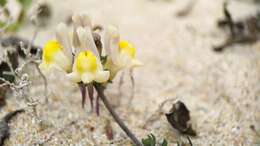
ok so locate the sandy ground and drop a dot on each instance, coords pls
(221, 90)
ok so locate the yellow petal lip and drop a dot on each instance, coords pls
(53, 56)
(127, 48)
(124, 59)
(50, 49)
(86, 62)
(123, 44)
(87, 68)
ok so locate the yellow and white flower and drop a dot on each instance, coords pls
(121, 53)
(54, 57)
(57, 53)
(88, 68)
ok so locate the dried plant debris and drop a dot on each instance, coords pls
(3, 91)
(8, 65)
(97, 40)
(19, 48)
(179, 118)
(5, 74)
(245, 31)
(158, 112)
(187, 9)
(109, 130)
(14, 48)
(18, 43)
(51, 135)
(4, 128)
(252, 127)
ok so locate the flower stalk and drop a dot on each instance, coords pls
(100, 91)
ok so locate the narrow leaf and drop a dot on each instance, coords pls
(164, 143)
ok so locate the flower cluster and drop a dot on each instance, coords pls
(91, 57)
(77, 53)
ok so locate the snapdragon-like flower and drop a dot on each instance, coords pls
(88, 68)
(54, 57)
(121, 53)
(58, 53)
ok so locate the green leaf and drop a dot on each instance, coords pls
(25, 3)
(153, 140)
(164, 143)
(150, 141)
(146, 142)
(2, 2)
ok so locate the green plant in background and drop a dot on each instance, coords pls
(2, 2)
(25, 3)
(13, 24)
(151, 141)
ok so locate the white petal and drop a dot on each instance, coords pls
(85, 20)
(123, 60)
(82, 39)
(81, 20)
(63, 37)
(87, 40)
(136, 63)
(87, 78)
(48, 68)
(62, 61)
(76, 20)
(75, 77)
(75, 39)
(111, 40)
(107, 39)
(102, 76)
